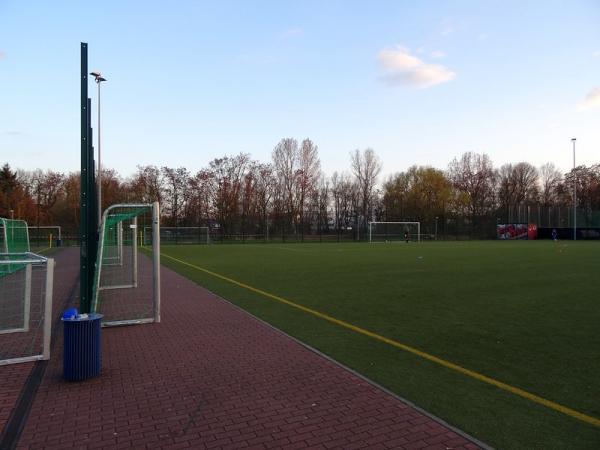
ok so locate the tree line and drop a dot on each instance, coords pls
(290, 196)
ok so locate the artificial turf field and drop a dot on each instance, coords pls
(526, 314)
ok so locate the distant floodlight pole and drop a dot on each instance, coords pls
(99, 79)
(574, 194)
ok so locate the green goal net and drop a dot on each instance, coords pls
(127, 276)
(14, 236)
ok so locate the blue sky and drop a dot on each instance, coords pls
(419, 82)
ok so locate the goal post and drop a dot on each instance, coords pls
(178, 235)
(26, 284)
(394, 231)
(126, 287)
(45, 234)
(14, 236)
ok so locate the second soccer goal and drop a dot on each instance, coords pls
(394, 231)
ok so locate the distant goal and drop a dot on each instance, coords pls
(394, 231)
(179, 235)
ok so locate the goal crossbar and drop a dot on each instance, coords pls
(405, 224)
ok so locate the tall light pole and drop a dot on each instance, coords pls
(99, 79)
(574, 194)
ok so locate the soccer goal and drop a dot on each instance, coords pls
(14, 236)
(394, 231)
(45, 235)
(25, 307)
(127, 277)
(179, 235)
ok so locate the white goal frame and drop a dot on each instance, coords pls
(58, 228)
(28, 259)
(418, 224)
(203, 232)
(154, 207)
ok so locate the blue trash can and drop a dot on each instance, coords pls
(82, 346)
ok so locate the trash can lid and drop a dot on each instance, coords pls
(82, 317)
(70, 313)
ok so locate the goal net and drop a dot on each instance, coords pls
(394, 231)
(179, 235)
(25, 307)
(45, 235)
(14, 236)
(127, 277)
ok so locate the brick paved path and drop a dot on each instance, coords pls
(14, 377)
(211, 376)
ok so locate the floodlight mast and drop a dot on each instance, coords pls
(99, 79)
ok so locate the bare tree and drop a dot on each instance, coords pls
(227, 176)
(526, 180)
(366, 167)
(285, 162)
(474, 176)
(175, 187)
(550, 178)
(345, 195)
(265, 183)
(200, 198)
(146, 185)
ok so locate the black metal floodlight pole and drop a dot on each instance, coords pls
(87, 219)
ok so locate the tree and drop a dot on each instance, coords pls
(307, 174)
(227, 176)
(201, 198)
(175, 187)
(113, 189)
(474, 176)
(526, 180)
(550, 178)
(14, 196)
(45, 189)
(344, 192)
(419, 194)
(366, 167)
(285, 163)
(147, 185)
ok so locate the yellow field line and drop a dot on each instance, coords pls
(442, 362)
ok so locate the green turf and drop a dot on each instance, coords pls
(524, 313)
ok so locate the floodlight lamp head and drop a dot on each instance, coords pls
(98, 76)
(573, 139)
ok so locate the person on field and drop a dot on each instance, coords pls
(406, 236)
(554, 234)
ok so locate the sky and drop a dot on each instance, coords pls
(190, 81)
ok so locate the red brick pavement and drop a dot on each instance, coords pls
(211, 376)
(12, 380)
(13, 377)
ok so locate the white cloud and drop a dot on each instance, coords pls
(592, 100)
(402, 68)
(437, 54)
(292, 33)
(596, 54)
